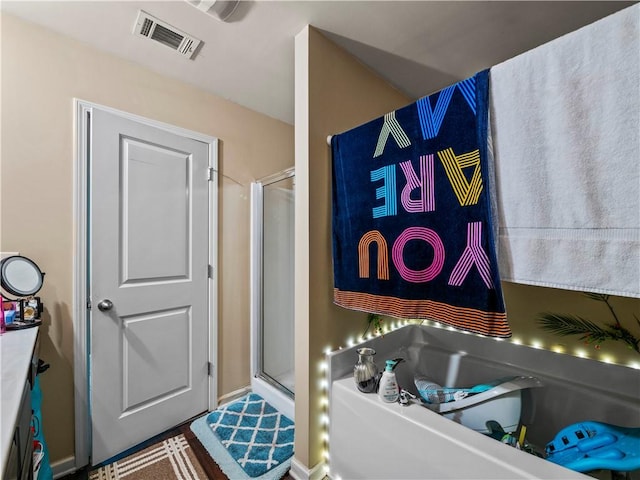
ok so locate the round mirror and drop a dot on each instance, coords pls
(20, 276)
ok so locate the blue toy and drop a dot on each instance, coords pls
(587, 446)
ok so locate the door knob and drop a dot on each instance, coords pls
(105, 305)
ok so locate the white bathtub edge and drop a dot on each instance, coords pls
(497, 459)
(275, 398)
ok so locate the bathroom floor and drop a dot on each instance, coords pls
(211, 469)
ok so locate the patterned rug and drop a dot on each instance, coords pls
(169, 459)
(248, 438)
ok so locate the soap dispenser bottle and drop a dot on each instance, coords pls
(388, 390)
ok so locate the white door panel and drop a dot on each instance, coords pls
(149, 255)
(156, 226)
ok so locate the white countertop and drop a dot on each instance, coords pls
(16, 348)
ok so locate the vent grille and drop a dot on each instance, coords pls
(167, 37)
(146, 27)
(150, 27)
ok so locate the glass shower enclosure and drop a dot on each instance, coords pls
(273, 286)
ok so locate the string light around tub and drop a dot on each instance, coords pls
(390, 327)
(323, 368)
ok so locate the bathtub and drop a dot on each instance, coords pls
(274, 396)
(370, 439)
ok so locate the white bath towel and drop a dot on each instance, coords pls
(565, 120)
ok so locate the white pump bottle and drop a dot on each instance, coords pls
(388, 390)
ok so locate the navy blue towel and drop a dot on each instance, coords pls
(412, 226)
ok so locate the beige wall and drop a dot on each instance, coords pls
(333, 93)
(41, 74)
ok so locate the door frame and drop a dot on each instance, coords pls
(81, 299)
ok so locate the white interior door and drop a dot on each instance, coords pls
(149, 268)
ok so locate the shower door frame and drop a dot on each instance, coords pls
(257, 285)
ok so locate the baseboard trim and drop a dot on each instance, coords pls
(231, 396)
(64, 467)
(300, 472)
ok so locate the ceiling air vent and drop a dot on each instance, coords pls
(150, 27)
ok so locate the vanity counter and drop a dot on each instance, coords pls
(16, 354)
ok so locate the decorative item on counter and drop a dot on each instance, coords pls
(25, 313)
(31, 308)
(9, 316)
(21, 277)
(11, 311)
(365, 372)
(591, 332)
(389, 390)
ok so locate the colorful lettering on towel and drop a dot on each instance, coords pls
(383, 254)
(431, 119)
(390, 126)
(467, 192)
(473, 254)
(426, 274)
(468, 89)
(387, 191)
(412, 231)
(426, 201)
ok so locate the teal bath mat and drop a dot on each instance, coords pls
(248, 438)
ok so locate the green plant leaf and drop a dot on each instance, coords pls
(590, 332)
(571, 325)
(373, 321)
(597, 296)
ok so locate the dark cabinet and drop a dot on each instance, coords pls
(20, 461)
(20, 356)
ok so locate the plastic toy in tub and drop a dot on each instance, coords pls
(499, 400)
(588, 446)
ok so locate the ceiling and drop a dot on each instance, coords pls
(418, 46)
